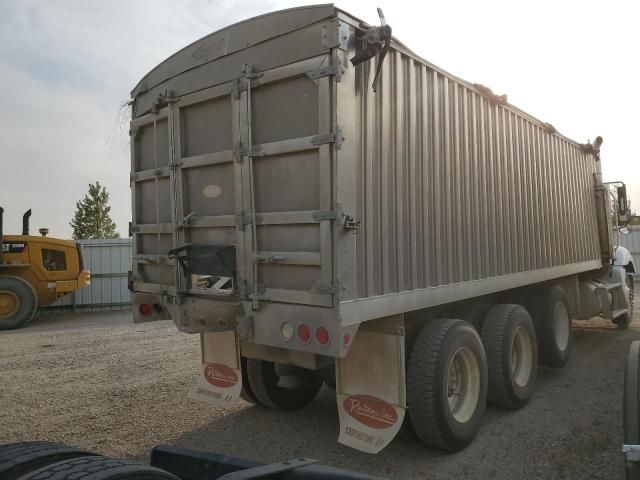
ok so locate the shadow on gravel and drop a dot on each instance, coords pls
(267, 435)
(569, 428)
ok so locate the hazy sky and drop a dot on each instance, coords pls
(66, 67)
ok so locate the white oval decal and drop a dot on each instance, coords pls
(212, 191)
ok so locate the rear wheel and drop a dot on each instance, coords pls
(282, 386)
(552, 320)
(447, 384)
(246, 393)
(510, 344)
(18, 459)
(18, 302)
(99, 468)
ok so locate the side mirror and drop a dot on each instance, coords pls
(623, 205)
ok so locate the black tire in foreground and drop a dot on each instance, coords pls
(98, 468)
(512, 355)
(282, 386)
(552, 320)
(18, 459)
(18, 302)
(631, 406)
(447, 384)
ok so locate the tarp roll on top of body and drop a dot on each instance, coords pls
(296, 219)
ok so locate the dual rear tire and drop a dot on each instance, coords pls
(453, 371)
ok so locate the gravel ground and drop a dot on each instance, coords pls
(100, 382)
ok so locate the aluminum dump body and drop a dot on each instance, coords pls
(345, 205)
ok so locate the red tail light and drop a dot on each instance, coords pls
(145, 309)
(322, 336)
(304, 333)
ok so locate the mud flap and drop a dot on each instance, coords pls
(220, 380)
(370, 386)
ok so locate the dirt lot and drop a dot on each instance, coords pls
(100, 382)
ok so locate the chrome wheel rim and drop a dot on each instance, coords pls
(521, 356)
(9, 304)
(561, 326)
(463, 384)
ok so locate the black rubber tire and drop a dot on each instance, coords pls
(328, 375)
(498, 332)
(18, 459)
(542, 309)
(263, 379)
(28, 302)
(246, 393)
(623, 321)
(475, 313)
(631, 405)
(99, 468)
(427, 384)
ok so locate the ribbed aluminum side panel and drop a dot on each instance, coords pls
(453, 188)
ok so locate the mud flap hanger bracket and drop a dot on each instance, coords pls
(377, 41)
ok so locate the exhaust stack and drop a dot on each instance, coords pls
(25, 222)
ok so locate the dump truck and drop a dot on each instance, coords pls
(36, 270)
(320, 204)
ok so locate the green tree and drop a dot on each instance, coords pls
(92, 218)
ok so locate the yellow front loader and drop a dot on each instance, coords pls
(36, 270)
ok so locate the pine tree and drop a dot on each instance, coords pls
(92, 218)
